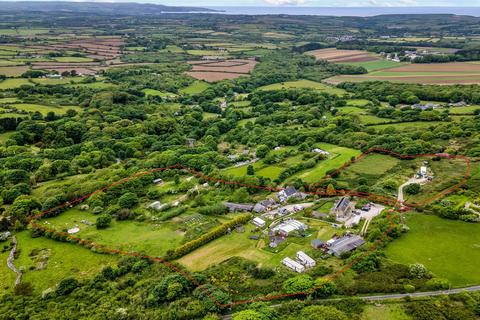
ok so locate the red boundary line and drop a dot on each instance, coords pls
(386, 200)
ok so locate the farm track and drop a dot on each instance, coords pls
(372, 197)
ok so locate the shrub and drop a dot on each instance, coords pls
(103, 221)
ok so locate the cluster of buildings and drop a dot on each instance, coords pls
(300, 264)
(280, 233)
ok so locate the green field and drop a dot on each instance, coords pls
(5, 136)
(339, 156)
(13, 83)
(64, 260)
(409, 125)
(374, 164)
(304, 84)
(376, 65)
(195, 88)
(149, 238)
(464, 110)
(30, 107)
(385, 312)
(48, 81)
(8, 100)
(448, 248)
(261, 169)
(153, 92)
(73, 59)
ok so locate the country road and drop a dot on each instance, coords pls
(392, 296)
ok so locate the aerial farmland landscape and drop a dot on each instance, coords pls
(271, 160)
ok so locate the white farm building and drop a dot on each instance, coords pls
(259, 222)
(294, 265)
(305, 259)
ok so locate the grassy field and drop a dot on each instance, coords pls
(448, 248)
(409, 125)
(13, 83)
(48, 81)
(464, 110)
(9, 100)
(375, 65)
(4, 136)
(30, 107)
(152, 239)
(339, 156)
(304, 84)
(64, 260)
(374, 164)
(153, 92)
(73, 59)
(195, 88)
(261, 169)
(385, 312)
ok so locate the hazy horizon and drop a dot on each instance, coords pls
(298, 3)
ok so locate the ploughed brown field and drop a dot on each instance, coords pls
(212, 71)
(106, 49)
(336, 56)
(438, 67)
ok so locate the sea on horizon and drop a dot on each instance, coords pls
(345, 11)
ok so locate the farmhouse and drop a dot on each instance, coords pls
(294, 265)
(234, 207)
(259, 222)
(289, 226)
(264, 205)
(290, 192)
(342, 209)
(304, 259)
(191, 142)
(345, 244)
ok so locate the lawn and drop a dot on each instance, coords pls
(13, 83)
(31, 107)
(124, 235)
(339, 156)
(304, 84)
(64, 260)
(448, 248)
(195, 88)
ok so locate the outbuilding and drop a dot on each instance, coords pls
(293, 265)
(258, 222)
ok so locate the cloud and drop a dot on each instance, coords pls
(285, 2)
